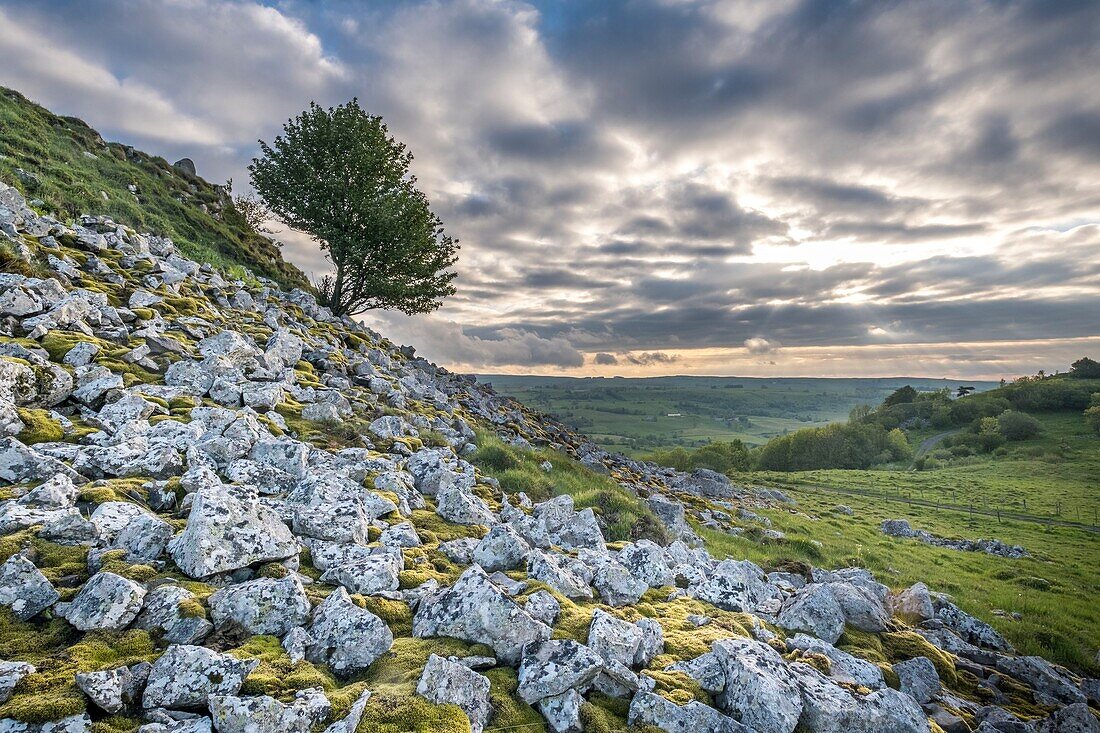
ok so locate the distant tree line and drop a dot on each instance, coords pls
(876, 435)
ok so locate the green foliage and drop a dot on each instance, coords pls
(840, 445)
(1018, 425)
(75, 167)
(1092, 413)
(720, 456)
(903, 395)
(339, 175)
(622, 515)
(1085, 368)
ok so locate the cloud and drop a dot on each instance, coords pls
(649, 358)
(604, 359)
(757, 345)
(448, 342)
(638, 177)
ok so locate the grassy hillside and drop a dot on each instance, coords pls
(73, 171)
(633, 415)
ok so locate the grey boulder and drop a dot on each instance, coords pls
(225, 532)
(445, 682)
(185, 677)
(106, 602)
(474, 609)
(346, 637)
(24, 589)
(262, 606)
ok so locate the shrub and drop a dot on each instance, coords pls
(1018, 425)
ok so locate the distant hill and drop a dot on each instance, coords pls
(66, 168)
(637, 415)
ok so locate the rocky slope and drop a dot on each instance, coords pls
(223, 509)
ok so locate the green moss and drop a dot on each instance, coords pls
(98, 494)
(39, 427)
(603, 714)
(395, 707)
(191, 608)
(277, 675)
(509, 711)
(50, 692)
(53, 560)
(272, 570)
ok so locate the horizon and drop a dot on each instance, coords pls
(651, 188)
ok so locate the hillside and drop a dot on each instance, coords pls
(640, 415)
(222, 508)
(66, 168)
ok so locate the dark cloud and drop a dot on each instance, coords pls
(635, 176)
(649, 358)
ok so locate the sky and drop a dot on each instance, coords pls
(772, 188)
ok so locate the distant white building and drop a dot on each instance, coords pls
(674, 414)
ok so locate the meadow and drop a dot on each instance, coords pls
(637, 415)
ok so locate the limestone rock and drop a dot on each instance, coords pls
(919, 679)
(474, 609)
(758, 689)
(814, 610)
(185, 676)
(168, 610)
(445, 682)
(649, 709)
(262, 606)
(264, 714)
(24, 589)
(107, 602)
(735, 585)
(109, 689)
(225, 532)
(10, 674)
(346, 637)
(501, 549)
(373, 574)
(562, 712)
(555, 667)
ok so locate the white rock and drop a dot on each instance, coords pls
(346, 637)
(186, 676)
(24, 589)
(225, 532)
(107, 602)
(263, 606)
(444, 682)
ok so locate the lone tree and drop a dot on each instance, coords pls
(340, 176)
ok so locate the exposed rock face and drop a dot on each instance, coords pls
(555, 667)
(346, 637)
(10, 674)
(185, 676)
(816, 611)
(225, 532)
(476, 610)
(758, 690)
(919, 679)
(233, 714)
(444, 681)
(649, 709)
(107, 602)
(263, 606)
(24, 589)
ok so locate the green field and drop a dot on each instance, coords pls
(636, 416)
(1042, 493)
(1055, 475)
